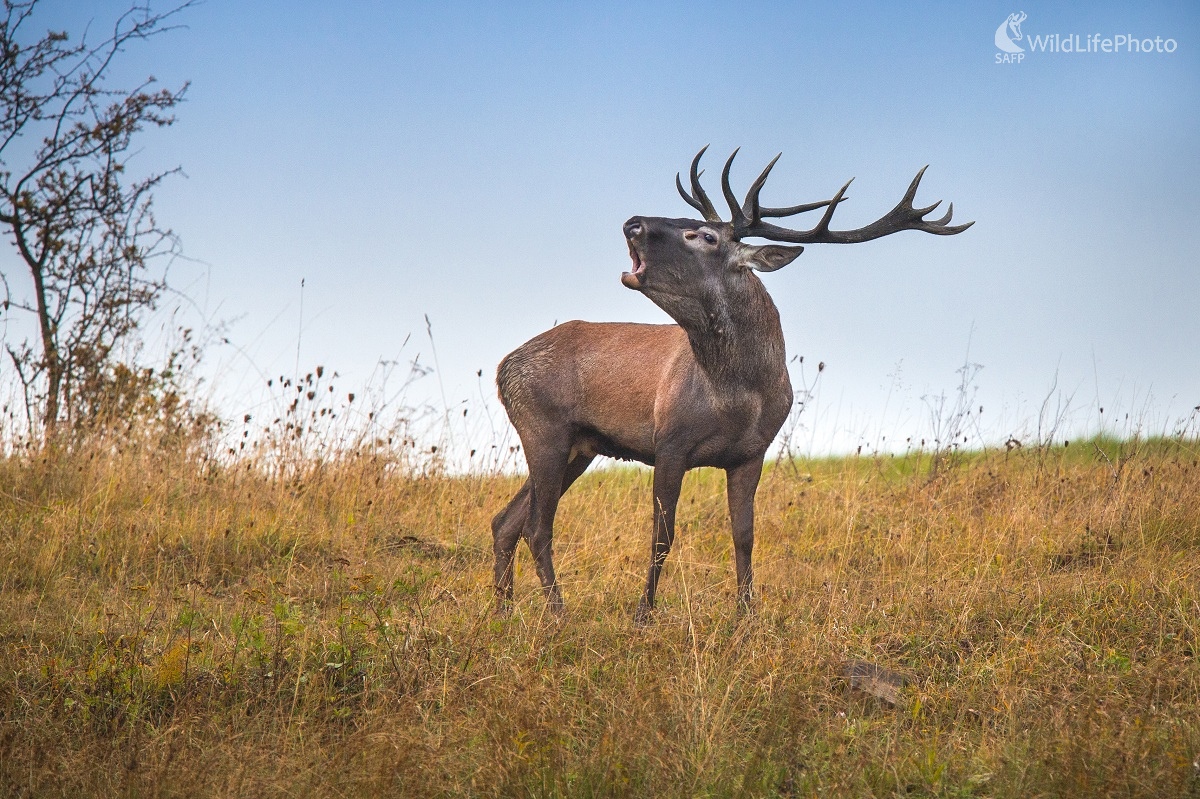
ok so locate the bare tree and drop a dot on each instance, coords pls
(83, 228)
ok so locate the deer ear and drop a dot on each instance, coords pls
(769, 257)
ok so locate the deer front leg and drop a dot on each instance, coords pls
(741, 483)
(668, 478)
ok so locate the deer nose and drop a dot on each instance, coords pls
(634, 228)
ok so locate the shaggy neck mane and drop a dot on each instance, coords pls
(742, 342)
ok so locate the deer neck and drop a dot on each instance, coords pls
(737, 340)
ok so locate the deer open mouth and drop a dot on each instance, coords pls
(634, 279)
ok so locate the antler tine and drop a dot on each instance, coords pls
(827, 217)
(792, 210)
(750, 208)
(698, 199)
(940, 227)
(687, 198)
(912, 188)
(737, 218)
(755, 212)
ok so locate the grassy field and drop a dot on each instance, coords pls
(172, 630)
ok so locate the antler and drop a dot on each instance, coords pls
(746, 219)
(698, 199)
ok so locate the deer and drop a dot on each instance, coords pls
(711, 390)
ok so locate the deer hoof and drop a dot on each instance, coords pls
(644, 615)
(504, 602)
(554, 601)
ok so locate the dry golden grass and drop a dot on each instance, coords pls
(170, 632)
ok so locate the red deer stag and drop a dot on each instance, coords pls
(710, 390)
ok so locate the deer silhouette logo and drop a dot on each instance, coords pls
(1009, 33)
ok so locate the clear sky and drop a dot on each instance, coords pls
(474, 162)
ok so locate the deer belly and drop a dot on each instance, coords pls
(618, 444)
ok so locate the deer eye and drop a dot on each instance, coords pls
(710, 238)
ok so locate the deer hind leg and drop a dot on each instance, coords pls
(512, 524)
(507, 527)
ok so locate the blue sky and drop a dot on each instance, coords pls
(474, 162)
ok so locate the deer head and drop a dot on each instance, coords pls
(1014, 23)
(688, 266)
